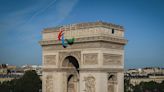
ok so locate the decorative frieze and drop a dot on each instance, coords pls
(88, 39)
(84, 26)
(90, 58)
(84, 69)
(50, 60)
(112, 59)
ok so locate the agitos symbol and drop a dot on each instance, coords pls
(68, 41)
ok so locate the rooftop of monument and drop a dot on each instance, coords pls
(84, 25)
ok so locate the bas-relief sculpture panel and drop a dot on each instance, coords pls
(90, 58)
(90, 83)
(49, 83)
(50, 60)
(112, 59)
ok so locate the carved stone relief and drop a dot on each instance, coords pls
(90, 84)
(49, 83)
(50, 59)
(112, 59)
(90, 58)
(84, 45)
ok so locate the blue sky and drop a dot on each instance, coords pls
(21, 23)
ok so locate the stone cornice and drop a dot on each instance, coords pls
(84, 26)
(88, 39)
(84, 69)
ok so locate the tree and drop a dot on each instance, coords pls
(29, 82)
(149, 87)
(128, 87)
(161, 86)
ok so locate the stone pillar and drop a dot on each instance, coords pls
(102, 82)
(61, 82)
(120, 82)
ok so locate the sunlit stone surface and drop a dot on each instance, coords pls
(94, 63)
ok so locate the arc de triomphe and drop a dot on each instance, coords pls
(93, 62)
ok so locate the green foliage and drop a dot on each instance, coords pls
(29, 82)
(127, 86)
(143, 86)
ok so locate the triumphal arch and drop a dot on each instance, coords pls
(83, 57)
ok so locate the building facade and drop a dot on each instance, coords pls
(147, 74)
(93, 61)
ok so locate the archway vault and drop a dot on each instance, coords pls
(73, 75)
(70, 62)
(74, 56)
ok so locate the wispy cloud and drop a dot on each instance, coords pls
(64, 8)
(39, 11)
(41, 15)
(22, 27)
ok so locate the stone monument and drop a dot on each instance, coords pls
(94, 62)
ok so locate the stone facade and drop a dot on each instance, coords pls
(113, 59)
(50, 59)
(49, 83)
(94, 63)
(90, 59)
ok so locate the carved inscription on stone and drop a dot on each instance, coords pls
(49, 83)
(90, 58)
(89, 84)
(113, 59)
(50, 59)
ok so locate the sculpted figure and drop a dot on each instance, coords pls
(89, 84)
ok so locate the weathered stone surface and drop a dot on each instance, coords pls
(111, 59)
(111, 39)
(84, 26)
(49, 83)
(76, 54)
(112, 82)
(50, 60)
(90, 58)
(93, 63)
(85, 45)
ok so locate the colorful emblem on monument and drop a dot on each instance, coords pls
(65, 42)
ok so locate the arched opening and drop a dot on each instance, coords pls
(71, 61)
(72, 83)
(112, 81)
